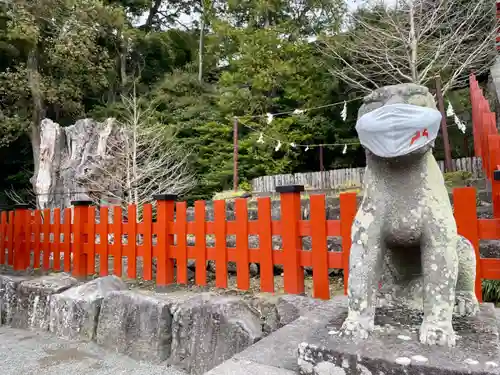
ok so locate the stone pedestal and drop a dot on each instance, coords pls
(32, 307)
(394, 347)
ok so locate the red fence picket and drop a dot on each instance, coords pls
(265, 245)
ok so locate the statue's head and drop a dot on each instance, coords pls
(398, 122)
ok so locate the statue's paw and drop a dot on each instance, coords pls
(433, 334)
(466, 304)
(356, 329)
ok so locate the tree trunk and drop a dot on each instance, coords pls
(413, 46)
(201, 43)
(153, 11)
(72, 160)
(200, 52)
(37, 111)
(123, 63)
(444, 127)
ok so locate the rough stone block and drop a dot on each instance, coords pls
(208, 329)
(33, 305)
(138, 324)
(74, 313)
(394, 347)
(265, 305)
(8, 296)
(242, 367)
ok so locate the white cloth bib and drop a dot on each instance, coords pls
(398, 129)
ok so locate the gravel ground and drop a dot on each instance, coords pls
(39, 353)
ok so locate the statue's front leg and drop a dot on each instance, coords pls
(365, 267)
(439, 268)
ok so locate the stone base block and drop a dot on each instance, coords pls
(207, 330)
(33, 304)
(138, 324)
(394, 347)
(74, 313)
(8, 296)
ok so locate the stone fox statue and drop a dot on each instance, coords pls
(404, 236)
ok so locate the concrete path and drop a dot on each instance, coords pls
(38, 353)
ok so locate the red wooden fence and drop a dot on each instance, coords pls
(20, 235)
(20, 232)
(486, 140)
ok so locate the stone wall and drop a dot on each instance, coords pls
(193, 332)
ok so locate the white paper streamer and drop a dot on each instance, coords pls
(261, 138)
(460, 125)
(449, 111)
(278, 146)
(344, 112)
(270, 118)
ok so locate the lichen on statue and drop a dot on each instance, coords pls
(404, 236)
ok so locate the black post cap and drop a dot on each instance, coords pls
(165, 197)
(496, 175)
(22, 206)
(290, 189)
(82, 203)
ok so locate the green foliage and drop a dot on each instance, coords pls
(245, 186)
(80, 56)
(491, 291)
(457, 179)
(228, 195)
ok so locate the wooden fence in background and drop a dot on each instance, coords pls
(344, 178)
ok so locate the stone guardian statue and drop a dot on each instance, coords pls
(405, 246)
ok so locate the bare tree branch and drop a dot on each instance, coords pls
(147, 161)
(17, 198)
(413, 42)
